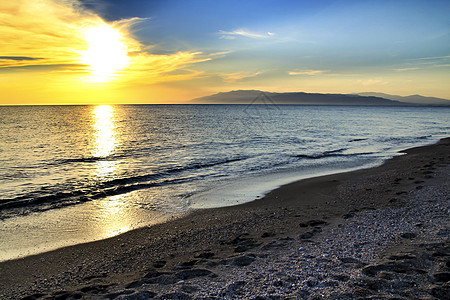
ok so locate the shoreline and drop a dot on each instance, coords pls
(229, 193)
(204, 244)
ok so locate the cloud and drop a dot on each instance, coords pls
(307, 72)
(236, 76)
(19, 58)
(50, 36)
(406, 69)
(151, 69)
(45, 68)
(432, 61)
(42, 32)
(10, 62)
(432, 58)
(368, 82)
(244, 33)
(425, 63)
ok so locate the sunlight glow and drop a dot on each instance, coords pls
(106, 55)
(105, 134)
(105, 140)
(114, 221)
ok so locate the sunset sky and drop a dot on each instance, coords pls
(167, 51)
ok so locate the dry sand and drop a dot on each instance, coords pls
(376, 233)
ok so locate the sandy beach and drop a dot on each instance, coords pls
(374, 233)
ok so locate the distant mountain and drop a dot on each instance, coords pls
(416, 99)
(259, 97)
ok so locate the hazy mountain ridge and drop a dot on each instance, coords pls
(260, 97)
(416, 99)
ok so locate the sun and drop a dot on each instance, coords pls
(106, 55)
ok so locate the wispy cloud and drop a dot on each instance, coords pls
(17, 61)
(51, 35)
(308, 72)
(244, 33)
(370, 82)
(40, 32)
(432, 61)
(422, 63)
(237, 76)
(151, 69)
(406, 69)
(432, 57)
(45, 68)
(19, 58)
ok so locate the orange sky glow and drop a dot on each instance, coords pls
(57, 52)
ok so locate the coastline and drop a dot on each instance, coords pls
(209, 247)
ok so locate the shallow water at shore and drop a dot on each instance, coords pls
(76, 174)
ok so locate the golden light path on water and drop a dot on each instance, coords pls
(105, 140)
(105, 135)
(111, 212)
(92, 220)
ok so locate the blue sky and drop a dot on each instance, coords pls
(357, 25)
(269, 37)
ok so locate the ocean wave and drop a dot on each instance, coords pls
(357, 140)
(332, 153)
(54, 197)
(403, 139)
(90, 159)
(322, 154)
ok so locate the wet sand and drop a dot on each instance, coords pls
(376, 232)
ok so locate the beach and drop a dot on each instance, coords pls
(379, 232)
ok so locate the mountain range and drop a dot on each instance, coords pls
(416, 99)
(300, 98)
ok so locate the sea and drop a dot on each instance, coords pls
(76, 174)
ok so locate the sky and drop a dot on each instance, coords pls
(169, 51)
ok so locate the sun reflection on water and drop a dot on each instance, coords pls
(105, 139)
(112, 217)
(105, 135)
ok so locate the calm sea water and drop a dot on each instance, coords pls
(70, 174)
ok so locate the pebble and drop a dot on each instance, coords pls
(348, 267)
(373, 231)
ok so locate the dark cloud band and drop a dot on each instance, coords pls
(19, 58)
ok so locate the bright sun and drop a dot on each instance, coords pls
(106, 54)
